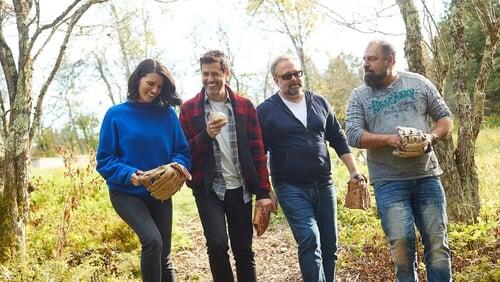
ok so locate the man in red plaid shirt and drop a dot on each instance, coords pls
(229, 165)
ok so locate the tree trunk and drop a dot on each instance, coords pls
(463, 200)
(14, 203)
(413, 42)
(304, 65)
(460, 176)
(2, 166)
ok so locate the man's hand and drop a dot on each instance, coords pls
(215, 126)
(394, 141)
(432, 138)
(266, 204)
(135, 177)
(273, 198)
(262, 215)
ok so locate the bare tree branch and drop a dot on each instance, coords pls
(75, 17)
(8, 66)
(166, 1)
(256, 9)
(58, 19)
(100, 69)
(338, 19)
(436, 27)
(3, 116)
(36, 17)
(47, 40)
(121, 40)
(491, 25)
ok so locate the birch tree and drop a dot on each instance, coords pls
(21, 118)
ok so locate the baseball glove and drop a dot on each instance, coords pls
(414, 142)
(261, 220)
(164, 181)
(358, 196)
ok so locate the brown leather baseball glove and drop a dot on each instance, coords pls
(164, 181)
(414, 142)
(358, 195)
(261, 220)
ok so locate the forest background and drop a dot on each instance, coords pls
(63, 65)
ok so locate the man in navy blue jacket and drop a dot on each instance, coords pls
(295, 126)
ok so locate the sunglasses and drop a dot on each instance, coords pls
(288, 76)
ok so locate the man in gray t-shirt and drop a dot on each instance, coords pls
(407, 190)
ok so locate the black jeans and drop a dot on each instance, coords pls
(213, 213)
(152, 222)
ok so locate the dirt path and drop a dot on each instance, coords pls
(276, 256)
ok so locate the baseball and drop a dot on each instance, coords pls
(218, 116)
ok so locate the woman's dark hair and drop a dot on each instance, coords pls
(167, 95)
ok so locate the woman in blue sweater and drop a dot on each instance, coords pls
(141, 134)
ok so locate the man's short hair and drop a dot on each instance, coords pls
(214, 56)
(387, 48)
(278, 60)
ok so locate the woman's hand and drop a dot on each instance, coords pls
(135, 177)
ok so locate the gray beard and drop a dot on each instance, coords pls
(294, 90)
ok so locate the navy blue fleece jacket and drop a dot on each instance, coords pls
(139, 136)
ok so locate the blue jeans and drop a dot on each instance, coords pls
(421, 203)
(151, 220)
(311, 212)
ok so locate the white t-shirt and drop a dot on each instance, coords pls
(229, 171)
(298, 109)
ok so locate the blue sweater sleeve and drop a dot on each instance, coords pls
(109, 164)
(334, 133)
(180, 147)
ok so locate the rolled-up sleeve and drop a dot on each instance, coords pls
(355, 121)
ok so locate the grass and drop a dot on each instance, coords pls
(97, 245)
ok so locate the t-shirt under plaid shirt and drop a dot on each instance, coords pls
(219, 184)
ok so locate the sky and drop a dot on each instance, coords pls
(185, 29)
(254, 47)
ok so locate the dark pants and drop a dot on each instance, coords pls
(152, 222)
(213, 213)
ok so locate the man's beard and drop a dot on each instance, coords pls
(294, 90)
(375, 80)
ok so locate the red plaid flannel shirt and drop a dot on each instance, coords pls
(251, 154)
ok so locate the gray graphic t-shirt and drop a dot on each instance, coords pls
(406, 102)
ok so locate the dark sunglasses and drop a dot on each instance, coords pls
(288, 76)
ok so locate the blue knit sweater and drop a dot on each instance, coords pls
(139, 136)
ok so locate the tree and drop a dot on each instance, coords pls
(131, 32)
(293, 18)
(414, 39)
(337, 82)
(67, 121)
(460, 177)
(22, 120)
